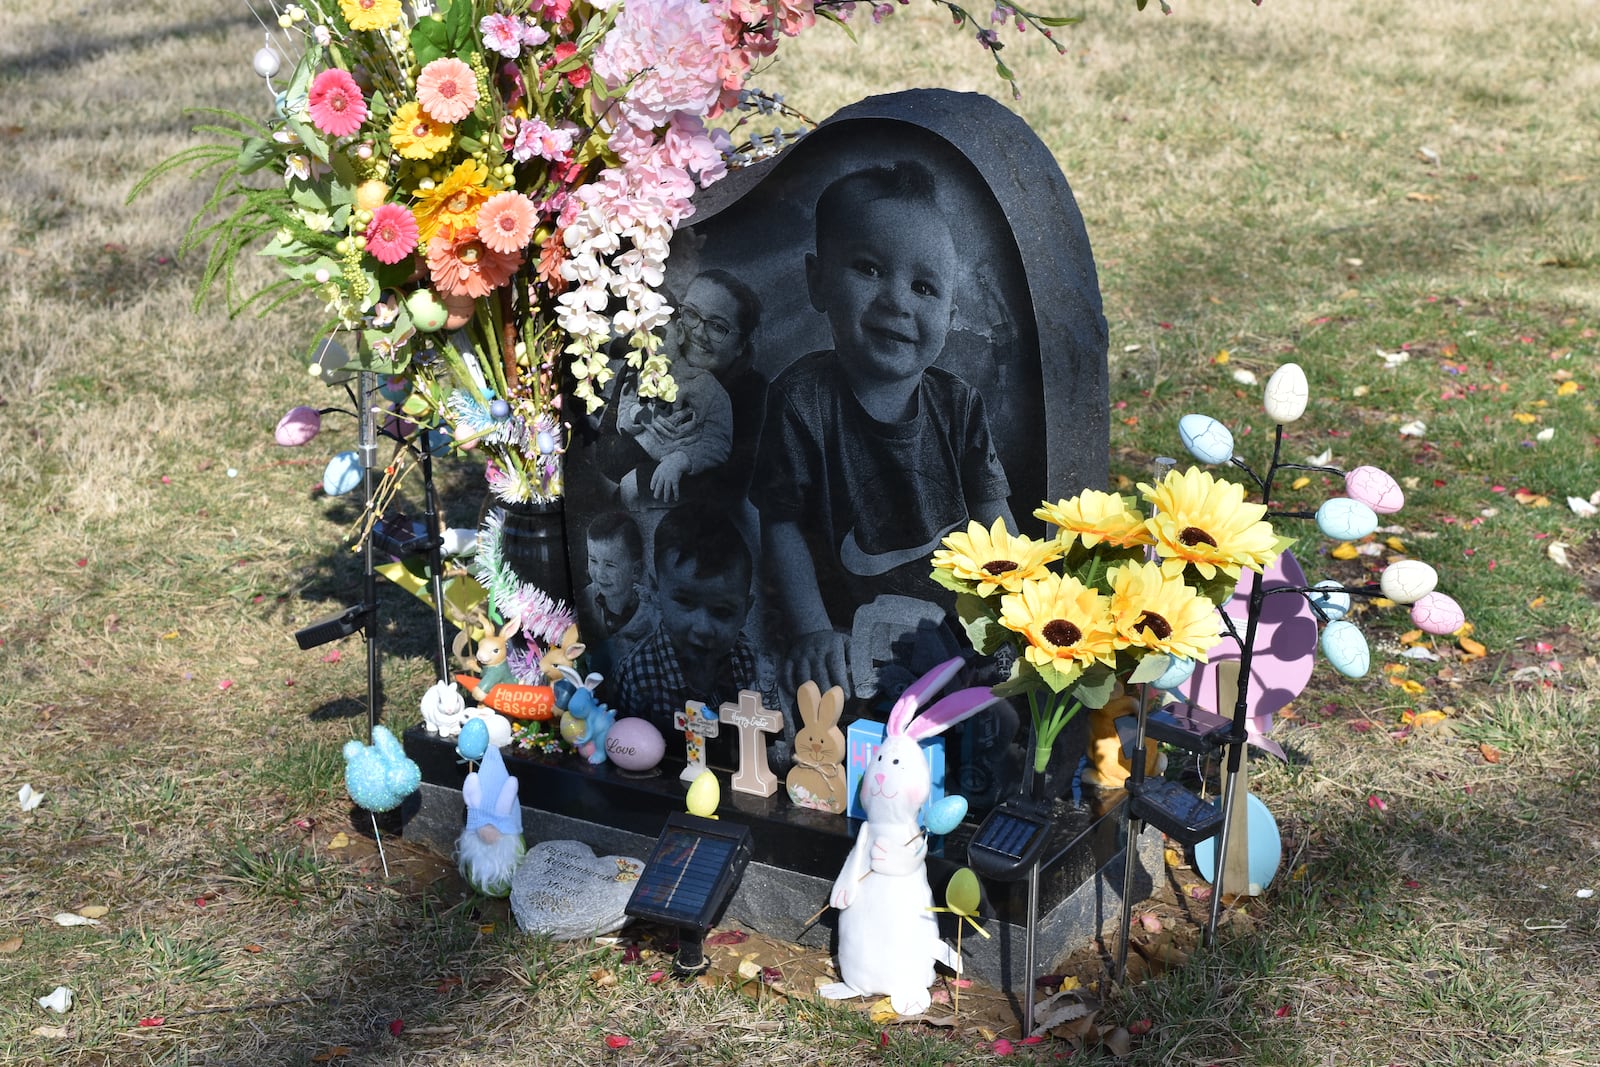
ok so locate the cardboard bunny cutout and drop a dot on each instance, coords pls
(818, 778)
(888, 936)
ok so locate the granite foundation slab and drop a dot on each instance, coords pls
(798, 852)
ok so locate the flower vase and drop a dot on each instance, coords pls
(533, 543)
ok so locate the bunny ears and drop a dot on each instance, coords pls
(957, 707)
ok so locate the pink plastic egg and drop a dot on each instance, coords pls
(634, 744)
(1375, 489)
(1437, 613)
(298, 425)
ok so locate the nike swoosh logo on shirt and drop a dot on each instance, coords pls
(859, 561)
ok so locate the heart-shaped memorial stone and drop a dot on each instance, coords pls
(562, 889)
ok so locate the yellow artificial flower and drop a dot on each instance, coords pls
(365, 15)
(1067, 625)
(416, 136)
(1204, 521)
(995, 558)
(1094, 517)
(454, 202)
(1160, 612)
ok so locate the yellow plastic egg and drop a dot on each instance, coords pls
(704, 795)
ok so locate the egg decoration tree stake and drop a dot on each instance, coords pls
(1370, 492)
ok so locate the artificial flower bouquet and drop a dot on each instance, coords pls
(1116, 595)
(482, 192)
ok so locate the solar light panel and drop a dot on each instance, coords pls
(691, 871)
(1008, 841)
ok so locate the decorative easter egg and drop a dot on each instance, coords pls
(395, 390)
(704, 795)
(1178, 671)
(964, 894)
(499, 409)
(458, 310)
(572, 728)
(1345, 648)
(427, 314)
(1345, 519)
(343, 474)
(473, 740)
(330, 357)
(265, 62)
(1265, 849)
(298, 425)
(1286, 393)
(1375, 489)
(1407, 581)
(545, 442)
(1206, 439)
(635, 744)
(946, 813)
(1329, 597)
(1437, 613)
(458, 541)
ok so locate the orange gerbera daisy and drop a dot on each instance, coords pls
(460, 264)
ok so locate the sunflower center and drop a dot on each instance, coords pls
(999, 566)
(1061, 633)
(1156, 624)
(1193, 535)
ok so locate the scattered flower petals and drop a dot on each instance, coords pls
(1281, 1012)
(1414, 428)
(1376, 803)
(1557, 551)
(1003, 1046)
(1581, 507)
(333, 656)
(340, 840)
(618, 1041)
(59, 1000)
(29, 797)
(1584, 894)
(1244, 377)
(728, 937)
(1393, 359)
(1151, 923)
(153, 1020)
(396, 1026)
(1489, 753)
(225, 685)
(94, 911)
(1140, 1027)
(1545, 434)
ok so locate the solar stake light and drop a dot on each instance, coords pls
(691, 873)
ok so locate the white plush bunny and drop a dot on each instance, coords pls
(888, 936)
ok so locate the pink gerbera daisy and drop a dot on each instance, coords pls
(337, 106)
(392, 233)
(447, 90)
(460, 263)
(506, 222)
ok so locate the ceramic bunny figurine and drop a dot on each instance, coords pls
(818, 779)
(888, 936)
(491, 656)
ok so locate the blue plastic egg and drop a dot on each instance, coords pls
(342, 474)
(474, 739)
(1345, 648)
(545, 442)
(1329, 596)
(1265, 849)
(499, 410)
(395, 389)
(1206, 439)
(1178, 671)
(1345, 519)
(946, 814)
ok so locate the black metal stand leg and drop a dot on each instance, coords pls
(367, 445)
(1029, 948)
(435, 558)
(1130, 863)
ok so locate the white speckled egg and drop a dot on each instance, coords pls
(265, 62)
(343, 474)
(1286, 393)
(635, 744)
(1206, 439)
(1437, 613)
(1344, 519)
(1375, 489)
(1408, 581)
(1329, 596)
(1345, 649)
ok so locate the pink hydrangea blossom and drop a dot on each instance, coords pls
(535, 137)
(669, 54)
(337, 107)
(501, 34)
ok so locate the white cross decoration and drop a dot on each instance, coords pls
(754, 722)
(697, 722)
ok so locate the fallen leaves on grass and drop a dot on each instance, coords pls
(1489, 753)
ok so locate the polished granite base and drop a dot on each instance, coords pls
(797, 852)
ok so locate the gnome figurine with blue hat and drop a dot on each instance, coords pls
(491, 846)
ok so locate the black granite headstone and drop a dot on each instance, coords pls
(891, 328)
